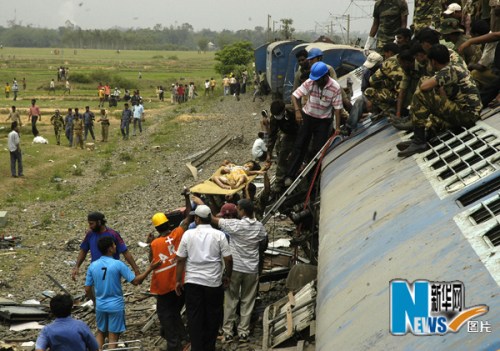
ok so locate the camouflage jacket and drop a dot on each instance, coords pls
(427, 13)
(389, 13)
(57, 121)
(459, 87)
(472, 54)
(388, 76)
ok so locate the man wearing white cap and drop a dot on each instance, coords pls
(200, 256)
(370, 66)
(462, 15)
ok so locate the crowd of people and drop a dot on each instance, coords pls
(207, 263)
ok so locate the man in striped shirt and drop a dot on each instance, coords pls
(324, 100)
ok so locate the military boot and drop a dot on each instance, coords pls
(402, 124)
(419, 143)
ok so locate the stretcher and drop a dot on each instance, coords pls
(209, 187)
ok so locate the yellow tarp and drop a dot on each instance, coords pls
(211, 188)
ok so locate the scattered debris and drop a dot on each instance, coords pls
(288, 316)
(3, 218)
(7, 242)
(25, 326)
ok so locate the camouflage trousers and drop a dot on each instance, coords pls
(57, 132)
(435, 112)
(384, 99)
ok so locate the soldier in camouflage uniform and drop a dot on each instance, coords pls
(78, 129)
(428, 38)
(449, 99)
(388, 17)
(58, 122)
(103, 118)
(451, 32)
(385, 85)
(427, 13)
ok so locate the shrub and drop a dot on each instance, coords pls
(80, 78)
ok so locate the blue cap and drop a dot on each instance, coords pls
(314, 52)
(318, 70)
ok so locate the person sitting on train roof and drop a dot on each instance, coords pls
(370, 66)
(385, 83)
(448, 100)
(487, 72)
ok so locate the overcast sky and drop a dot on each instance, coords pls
(213, 14)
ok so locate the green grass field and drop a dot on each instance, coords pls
(38, 66)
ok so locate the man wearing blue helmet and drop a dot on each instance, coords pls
(316, 55)
(315, 118)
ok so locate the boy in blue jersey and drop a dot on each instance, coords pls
(105, 276)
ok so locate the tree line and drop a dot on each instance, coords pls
(181, 37)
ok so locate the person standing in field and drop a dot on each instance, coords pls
(58, 122)
(78, 129)
(104, 125)
(52, 87)
(13, 144)
(15, 88)
(67, 88)
(14, 116)
(125, 122)
(68, 122)
(7, 90)
(88, 120)
(34, 116)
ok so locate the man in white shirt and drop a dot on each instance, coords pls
(138, 116)
(246, 237)
(200, 255)
(259, 148)
(13, 143)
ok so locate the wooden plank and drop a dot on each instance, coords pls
(289, 320)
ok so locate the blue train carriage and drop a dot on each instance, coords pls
(346, 60)
(276, 64)
(291, 68)
(343, 58)
(259, 55)
(407, 246)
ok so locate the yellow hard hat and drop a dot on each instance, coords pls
(159, 219)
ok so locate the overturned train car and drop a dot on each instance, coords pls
(428, 218)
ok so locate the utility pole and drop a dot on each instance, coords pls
(348, 29)
(268, 28)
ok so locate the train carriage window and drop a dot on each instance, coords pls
(487, 210)
(480, 192)
(493, 236)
